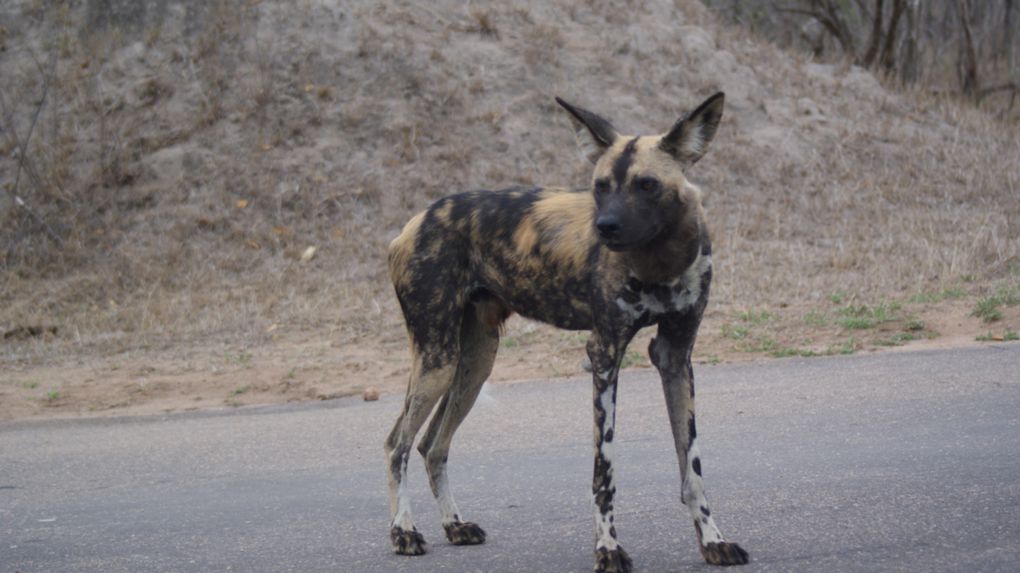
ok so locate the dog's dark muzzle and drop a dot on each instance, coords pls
(608, 227)
(618, 234)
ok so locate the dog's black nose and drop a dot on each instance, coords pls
(608, 226)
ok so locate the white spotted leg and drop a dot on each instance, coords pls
(605, 360)
(670, 351)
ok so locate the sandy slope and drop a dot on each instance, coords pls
(188, 153)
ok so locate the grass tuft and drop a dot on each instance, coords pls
(988, 308)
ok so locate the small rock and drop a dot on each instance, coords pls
(370, 394)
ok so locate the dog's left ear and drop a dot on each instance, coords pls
(593, 133)
(689, 138)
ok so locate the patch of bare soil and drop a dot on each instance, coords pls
(303, 366)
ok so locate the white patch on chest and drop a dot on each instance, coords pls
(676, 295)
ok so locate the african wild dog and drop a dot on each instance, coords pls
(632, 252)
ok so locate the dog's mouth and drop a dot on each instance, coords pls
(619, 244)
(614, 245)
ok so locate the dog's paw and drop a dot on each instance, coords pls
(612, 560)
(724, 554)
(464, 533)
(407, 542)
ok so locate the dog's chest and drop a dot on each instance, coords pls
(643, 302)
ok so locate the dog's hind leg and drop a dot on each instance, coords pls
(479, 341)
(432, 373)
(670, 352)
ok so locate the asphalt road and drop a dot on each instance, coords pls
(889, 462)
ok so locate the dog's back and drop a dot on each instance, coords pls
(530, 249)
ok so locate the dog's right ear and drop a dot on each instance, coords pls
(593, 133)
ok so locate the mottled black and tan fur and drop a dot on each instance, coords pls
(632, 251)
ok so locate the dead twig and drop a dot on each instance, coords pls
(23, 151)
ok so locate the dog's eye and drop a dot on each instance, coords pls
(648, 185)
(601, 186)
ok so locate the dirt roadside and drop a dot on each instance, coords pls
(294, 366)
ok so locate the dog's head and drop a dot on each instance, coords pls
(639, 185)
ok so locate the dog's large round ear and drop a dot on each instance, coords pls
(688, 140)
(594, 134)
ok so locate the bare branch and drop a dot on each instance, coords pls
(968, 54)
(874, 39)
(23, 150)
(830, 21)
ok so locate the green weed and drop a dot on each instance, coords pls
(848, 347)
(988, 308)
(756, 318)
(735, 332)
(241, 358)
(792, 351)
(898, 339)
(1007, 336)
(760, 344)
(951, 293)
(862, 317)
(913, 324)
(815, 319)
(632, 358)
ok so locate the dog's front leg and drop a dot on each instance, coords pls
(670, 351)
(605, 358)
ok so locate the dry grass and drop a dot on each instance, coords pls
(184, 159)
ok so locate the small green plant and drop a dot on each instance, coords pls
(884, 312)
(241, 358)
(735, 332)
(240, 390)
(848, 347)
(31, 384)
(756, 318)
(792, 351)
(988, 308)
(857, 323)
(815, 319)
(914, 325)
(1007, 336)
(760, 344)
(862, 317)
(898, 339)
(631, 358)
(951, 293)
(954, 293)
(509, 342)
(838, 297)
(52, 395)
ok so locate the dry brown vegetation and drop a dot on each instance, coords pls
(165, 167)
